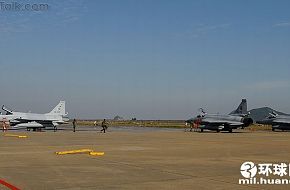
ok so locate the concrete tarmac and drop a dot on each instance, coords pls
(143, 160)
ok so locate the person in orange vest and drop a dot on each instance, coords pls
(4, 124)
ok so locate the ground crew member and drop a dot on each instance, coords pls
(6, 124)
(74, 124)
(191, 126)
(3, 126)
(104, 126)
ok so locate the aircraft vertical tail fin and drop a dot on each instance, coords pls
(242, 109)
(59, 109)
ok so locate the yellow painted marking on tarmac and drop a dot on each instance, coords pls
(74, 151)
(96, 153)
(86, 151)
(19, 136)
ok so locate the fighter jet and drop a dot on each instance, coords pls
(217, 122)
(35, 121)
(281, 122)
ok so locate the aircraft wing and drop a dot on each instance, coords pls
(22, 121)
(210, 121)
(33, 120)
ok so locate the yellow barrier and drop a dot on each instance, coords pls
(19, 136)
(96, 153)
(75, 151)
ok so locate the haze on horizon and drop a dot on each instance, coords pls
(146, 59)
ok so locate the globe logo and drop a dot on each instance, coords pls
(248, 169)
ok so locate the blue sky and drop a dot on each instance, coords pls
(148, 59)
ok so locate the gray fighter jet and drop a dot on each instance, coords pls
(17, 120)
(217, 122)
(281, 122)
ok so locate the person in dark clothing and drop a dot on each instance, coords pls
(54, 128)
(104, 126)
(74, 124)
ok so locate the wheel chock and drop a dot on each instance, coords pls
(19, 136)
(74, 151)
(96, 153)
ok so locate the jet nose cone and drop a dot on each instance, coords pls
(188, 121)
(195, 120)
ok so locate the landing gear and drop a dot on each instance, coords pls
(34, 129)
(201, 130)
(217, 130)
(230, 130)
(273, 129)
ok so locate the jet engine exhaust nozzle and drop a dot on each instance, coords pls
(247, 121)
